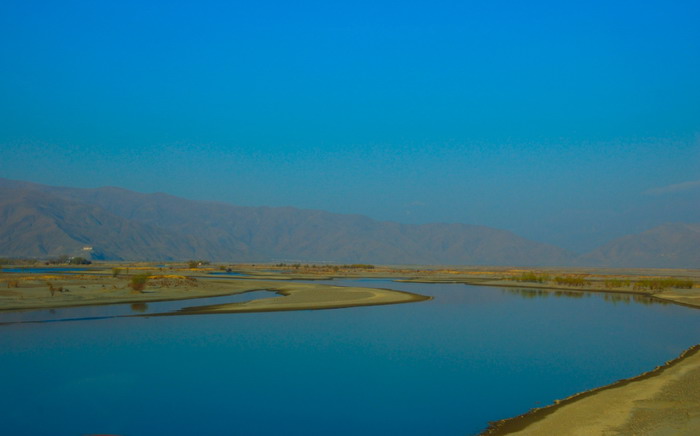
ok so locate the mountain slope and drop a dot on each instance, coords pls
(121, 224)
(674, 245)
(37, 224)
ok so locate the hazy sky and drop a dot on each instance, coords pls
(566, 122)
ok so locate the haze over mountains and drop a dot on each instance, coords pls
(43, 221)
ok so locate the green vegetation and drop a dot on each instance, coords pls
(58, 260)
(660, 284)
(138, 282)
(570, 281)
(650, 284)
(532, 277)
(655, 284)
(70, 260)
(617, 283)
(78, 261)
(116, 271)
(17, 261)
(168, 281)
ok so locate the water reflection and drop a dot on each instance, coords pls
(139, 307)
(545, 293)
(611, 297)
(124, 309)
(633, 298)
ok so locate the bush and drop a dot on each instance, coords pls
(138, 282)
(570, 281)
(58, 260)
(532, 277)
(617, 283)
(661, 284)
(192, 264)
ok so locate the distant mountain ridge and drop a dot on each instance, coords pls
(42, 221)
(672, 245)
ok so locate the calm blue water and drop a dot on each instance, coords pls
(445, 366)
(63, 314)
(43, 270)
(228, 273)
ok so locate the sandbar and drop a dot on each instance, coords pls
(305, 296)
(27, 292)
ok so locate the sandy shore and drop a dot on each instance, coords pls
(301, 296)
(662, 402)
(665, 401)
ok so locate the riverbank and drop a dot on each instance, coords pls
(686, 297)
(27, 292)
(675, 286)
(662, 402)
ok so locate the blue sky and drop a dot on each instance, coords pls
(564, 122)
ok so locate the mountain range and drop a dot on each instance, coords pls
(42, 221)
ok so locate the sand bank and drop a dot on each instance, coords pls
(662, 402)
(303, 296)
(26, 292)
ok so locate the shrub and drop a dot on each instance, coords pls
(570, 281)
(58, 260)
(192, 264)
(660, 284)
(138, 282)
(79, 261)
(53, 289)
(617, 283)
(530, 276)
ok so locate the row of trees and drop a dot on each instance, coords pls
(70, 260)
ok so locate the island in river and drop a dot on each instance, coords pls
(663, 401)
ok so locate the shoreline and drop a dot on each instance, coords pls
(544, 420)
(49, 292)
(658, 402)
(294, 297)
(675, 296)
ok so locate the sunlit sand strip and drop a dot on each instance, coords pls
(303, 296)
(106, 290)
(664, 401)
